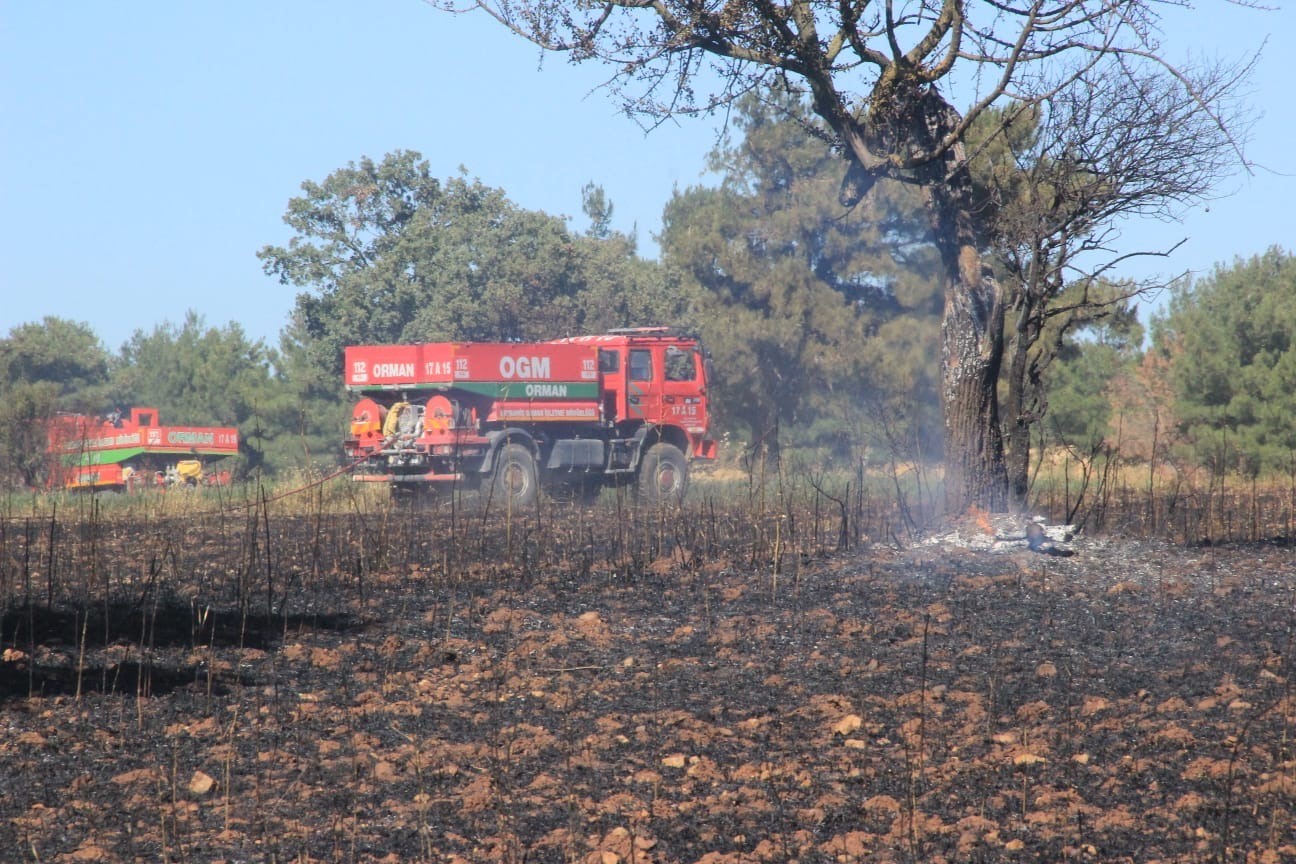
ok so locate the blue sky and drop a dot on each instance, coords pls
(149, 149)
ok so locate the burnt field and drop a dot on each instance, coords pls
(612, 685)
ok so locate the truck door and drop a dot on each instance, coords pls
(682, 387)
(643, 385)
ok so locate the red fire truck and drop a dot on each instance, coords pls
(573, 414)
(134, 450)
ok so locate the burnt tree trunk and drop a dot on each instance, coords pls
(972, 336)
(905, 117)
(1018, 422)
(1023, 406)
(971, 354)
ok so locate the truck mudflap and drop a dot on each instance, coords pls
(704, 448)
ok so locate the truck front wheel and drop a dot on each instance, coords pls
(515, 485)
(663, 476)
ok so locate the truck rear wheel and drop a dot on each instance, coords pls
(515, 484)
(663, 475)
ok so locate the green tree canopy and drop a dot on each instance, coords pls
(804, 304)
(211, 376)
(46, 367)
(1230, 339)
(385, 252)
(1088, 361)
(66, 354)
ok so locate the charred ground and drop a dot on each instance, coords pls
(632, 686)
